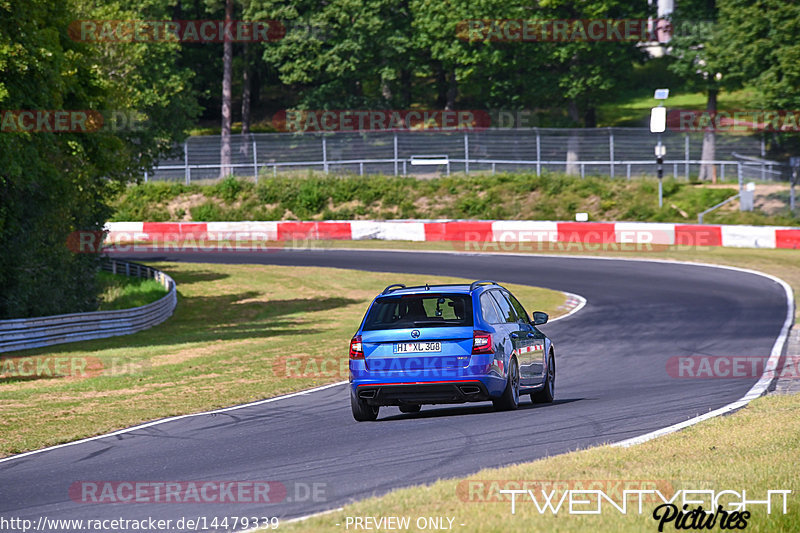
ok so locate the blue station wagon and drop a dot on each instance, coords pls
(445, 344)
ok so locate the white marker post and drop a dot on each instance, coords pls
(658, 124)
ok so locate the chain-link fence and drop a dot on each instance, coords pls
(615, 152)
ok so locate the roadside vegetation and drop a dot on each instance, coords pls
(507, 196)
(123, 292)
(224, 345)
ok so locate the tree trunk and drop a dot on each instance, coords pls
(386, 92)
(441, 87)
(709, 153)
(227, 71)
(573, 142)
(452, 91)
(246, 91)
(405, 87)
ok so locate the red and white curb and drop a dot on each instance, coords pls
(469, 232)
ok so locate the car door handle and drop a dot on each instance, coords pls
(531, 335)
(514, 336)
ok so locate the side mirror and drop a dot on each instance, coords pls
(539, 318)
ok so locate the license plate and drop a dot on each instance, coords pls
(417, 347)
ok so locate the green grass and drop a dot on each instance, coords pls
(223, 346)
(124, 292)
(633, 110)
(509, 196)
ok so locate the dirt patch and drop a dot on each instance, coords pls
(187, 354)
(186, 203)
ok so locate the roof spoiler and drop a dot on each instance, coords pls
(393, 287)
(475, 284)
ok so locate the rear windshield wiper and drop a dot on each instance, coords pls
(435, 322)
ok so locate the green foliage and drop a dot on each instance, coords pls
(124, 292)
(53, 184)
(760, 48)
(507, 196)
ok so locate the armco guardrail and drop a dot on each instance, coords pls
(24, 333)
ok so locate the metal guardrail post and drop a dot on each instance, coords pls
(395, 157)
(686, 156)
(324, 155)
(611, 149)
(255, 160)
(466, 153)
(187, 173)
(538, 155)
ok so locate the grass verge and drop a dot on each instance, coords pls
(123, 292)
(224, 345)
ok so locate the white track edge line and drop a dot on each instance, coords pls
(757, 390)
(293, 520)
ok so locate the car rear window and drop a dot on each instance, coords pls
(419, 311)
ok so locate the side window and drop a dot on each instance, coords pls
(522, 315)
(506, 311)
(489, 310)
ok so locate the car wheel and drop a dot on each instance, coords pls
(510, 398)
(410, 408)
(362, 411)
(548, 392)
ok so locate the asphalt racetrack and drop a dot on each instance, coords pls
(612, 384)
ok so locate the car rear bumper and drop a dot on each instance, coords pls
(427, 392)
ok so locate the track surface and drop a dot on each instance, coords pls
(611, 384)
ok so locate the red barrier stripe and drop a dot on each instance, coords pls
(787, 238)
(292, 231)
(195, 229)
(477, 230)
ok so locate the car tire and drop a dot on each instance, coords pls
(510, 398)
(362, 411)
(410, 408)
(548, 391)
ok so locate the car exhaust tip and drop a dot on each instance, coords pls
(469, 389)
(367, 394)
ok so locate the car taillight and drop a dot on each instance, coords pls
(481, 342)
(356, 352)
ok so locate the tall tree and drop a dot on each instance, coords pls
(227, 95)
(697, 59)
